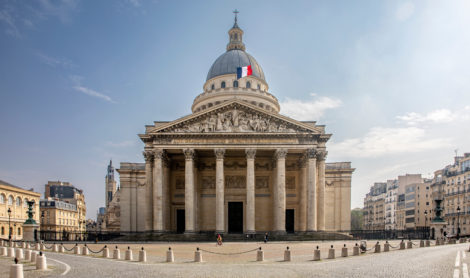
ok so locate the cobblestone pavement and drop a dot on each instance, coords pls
(438, 261)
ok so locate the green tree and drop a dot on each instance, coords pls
(356, 219)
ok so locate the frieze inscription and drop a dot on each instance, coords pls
(235, 182)
(208, 182)
(262, 182)
(290, 182)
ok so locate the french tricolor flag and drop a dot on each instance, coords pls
(244, 71)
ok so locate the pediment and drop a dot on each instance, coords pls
(235, 117)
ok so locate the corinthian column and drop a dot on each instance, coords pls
(158, 155)
(219, 191)
(189, 190)
(250, 191)
(303, 194)
(280, 192)
(311, 190)
(148, 155)
(321, 156)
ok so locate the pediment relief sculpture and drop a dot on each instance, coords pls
(235, 119)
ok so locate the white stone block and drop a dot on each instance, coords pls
(11, 252)
(198, 256)
(16, 271)
(128, 256)
(142, 256)
(106, 252)
(3, 251)
(331, 253)
(41, 263)
(344, 252)
(117, 254)
(61, 249)
(356, 251)
(377, 248)
(316, 255)
(27, 255)
(84, 250)
(76, 250)
(55, 248)
(34, 254)
(170, 258)
(19, 254)
(287, 255)
(409, 244)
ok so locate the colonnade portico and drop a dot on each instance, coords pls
(310, 209)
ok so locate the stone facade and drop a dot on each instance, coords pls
(14, 198)
(235, 165)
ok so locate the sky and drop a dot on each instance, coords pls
(80, 79)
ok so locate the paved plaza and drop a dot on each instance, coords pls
(436, 261)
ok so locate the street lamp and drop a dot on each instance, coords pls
(426, 223)
(9, 224)
(42, 224)
(458, 222)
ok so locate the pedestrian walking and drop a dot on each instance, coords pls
(266, 238)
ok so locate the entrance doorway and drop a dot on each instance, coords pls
(235, 217)
(290, 216)
(180, 221)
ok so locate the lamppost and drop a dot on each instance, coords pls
(42, 224)
(458, 222)
(9, 224)
(426, 223)
(14, 229)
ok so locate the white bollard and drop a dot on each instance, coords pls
(76, 250)
(3, 251)
(287, 257)
(116, 254)
(377, 248)
(61, 249)
(331, 253)
(19, 254)
(84, 250)
(27, 255)
(34, 255)
(105, 252)
(142, 255)
(16, 271)
(428, 243)
(402, 245)
(356, 250)
(128, 254)
(11, 252)
(421, 243)
(41, 263)
(316, 254)
(344, 251)
(55, 248)
(386, 247)
(43, 247)
(198, 256)
(23, 245)
(170, 258)
(409, 244)
(38, 247)
(260, 255)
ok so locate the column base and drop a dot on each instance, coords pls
(279, 233)
(250, 232)
(189, 232)
(311, 232)
(222, 232)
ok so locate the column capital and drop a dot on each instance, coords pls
(158, 153)
(250, 153)
(219, 153)
(280, 153)
(189, 154)
(311, 153)
(321, 154)
(148, 155)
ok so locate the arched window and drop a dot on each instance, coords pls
(212, 87)
(10, 200)
(3, 231)
(248, 84)
(222, 85)
(235, 84)
(18, 201)
(2, 199)
(19, 231)
(25, 203)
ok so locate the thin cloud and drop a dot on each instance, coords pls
(381, 141)
(308, 110)
(55, 62)
(11, 28)
(437, 116)
(135, 3)
(93, 93)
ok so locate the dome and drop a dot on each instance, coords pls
(228, 63)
